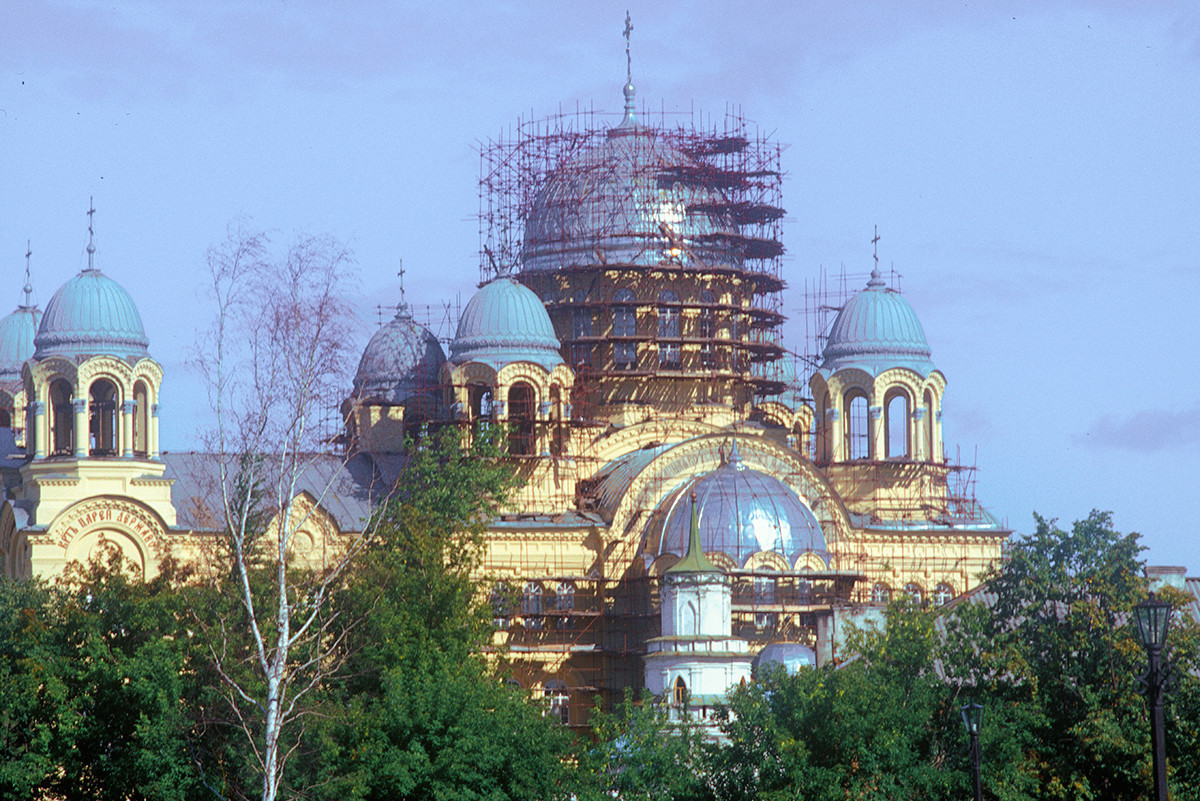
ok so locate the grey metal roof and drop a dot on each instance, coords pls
(346, 489)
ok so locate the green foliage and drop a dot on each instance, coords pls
(94, 688)
(642, 754)
(419, 712)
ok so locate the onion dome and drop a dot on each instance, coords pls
(91, 314)
(401, 362)
(741, 512)
(505, 322)
(875, 331)
(791, 656)
(16, 340)
(633, 198)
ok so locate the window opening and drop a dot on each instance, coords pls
(62, 418)
(558, 701)
(858, 439)
(669, 356)
(943, 593)
(914, 593)
(520, 419)
(896, 419)
(881, 593)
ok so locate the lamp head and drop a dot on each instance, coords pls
(972, 715)
(1153, 619)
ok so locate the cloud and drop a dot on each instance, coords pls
(1146, 430)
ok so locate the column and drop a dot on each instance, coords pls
(878, 434)
(37, 426)
(79, 406)
(920, 434)
(152, 439)
(127, 429)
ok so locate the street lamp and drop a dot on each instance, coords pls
(972, 715)
(1153, 619)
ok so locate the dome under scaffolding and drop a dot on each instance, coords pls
(656, 250)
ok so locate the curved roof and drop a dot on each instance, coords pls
(741, 512)
(16, 340)
(401, 361)
(633, 197)
(505, 322)
(875, 331)
(791, 656)
(88, 315)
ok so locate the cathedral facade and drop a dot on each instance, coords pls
(690, 507)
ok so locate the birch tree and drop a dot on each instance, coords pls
(275, 362)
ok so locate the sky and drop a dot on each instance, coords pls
(1033, 170)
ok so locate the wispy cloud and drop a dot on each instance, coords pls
(1146, 430)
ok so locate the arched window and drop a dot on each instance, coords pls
(482, 402)
(102, 418)
(881, 593)
(581, 330)
(558, 701)
(943, 593)
(62, 419)
(668, 330)
(624, 324)
(930, 417)
(764, 589)
(141, 419)
(690, 624)
(895, 422)
(706, 329)
(501, 599)
(520, 419)
(531, 605)
(914, 593)
(6, 410)
(858, 426)
(564, 602)
(679, 692)
(804, 591)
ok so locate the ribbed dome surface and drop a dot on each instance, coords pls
(742, 512)
(791, 656)
(875, 331)
(91, 314)
(504, 322)
(401, 362)
(16, 340)
(615, 197)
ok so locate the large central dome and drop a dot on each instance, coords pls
(633, 198)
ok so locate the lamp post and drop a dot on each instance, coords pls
(972, 715)
(1153, 619)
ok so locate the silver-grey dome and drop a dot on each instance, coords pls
(742, 512)
(401, 363)
(791, 656)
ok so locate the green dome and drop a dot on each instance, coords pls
(16, 340)
(875, 331)
(505, 323)
(91, 314)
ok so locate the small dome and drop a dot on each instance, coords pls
(791, 656)
(875, 331)
(91, 314)
(16, 340)
(401, 362)
(504, 322)
(742, 512)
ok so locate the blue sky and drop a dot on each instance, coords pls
(1033, 168)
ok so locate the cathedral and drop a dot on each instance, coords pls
(695, 503)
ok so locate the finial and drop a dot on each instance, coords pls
(735, 458)
(28, 283)
(875, 281)
(629, 90)
(91, 248)
(402, 309)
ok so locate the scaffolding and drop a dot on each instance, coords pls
(656, 250)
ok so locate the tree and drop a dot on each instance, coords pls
(275, 362)
(420, 711)
(1051, 647)
(94, 688)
